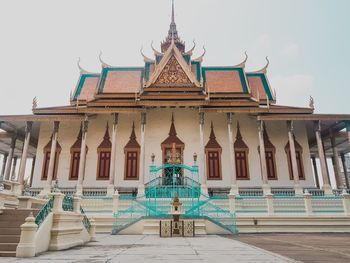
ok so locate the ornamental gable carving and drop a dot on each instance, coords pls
(172, 74)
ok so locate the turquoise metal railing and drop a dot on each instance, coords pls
(86, 221)
(67, 204)
(129, 216)
(222, 217)
(44, 212)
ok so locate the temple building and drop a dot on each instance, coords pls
(224, 119)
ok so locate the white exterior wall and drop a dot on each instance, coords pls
(187, 126)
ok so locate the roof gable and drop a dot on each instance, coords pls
(173, 70)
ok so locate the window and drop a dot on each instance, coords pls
(270, 165)
(213, 153)
(299, 157)
(74, 167)
(104, 165)
(241, 156)
(46, 161)
(270, 151)
(213, 161)
(241, 165)
(104, 157)
(75, 151)
(132, 153)
(131, 165)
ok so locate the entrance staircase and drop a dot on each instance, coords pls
(10, 231)
(203, 208)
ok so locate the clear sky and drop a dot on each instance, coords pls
(307, 41)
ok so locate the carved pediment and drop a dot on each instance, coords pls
(172, 74)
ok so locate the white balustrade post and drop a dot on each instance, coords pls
(92, 230)
(77, 204)
(82, 161)
(112, 171)
(26, 245)
(232, 203)
(269, 203)
(308, 203)
(346, 203)
(57, 202)
(115, 203)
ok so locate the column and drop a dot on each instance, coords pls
(13, 172)
(201, 165)
(342, 156)
(9, 158)
(141, 189)
(313, 158)
(110, 188)
(22, 166)
(32, 171)
(3, 166)
(234, 186)
(82, 161)
(326, 184)
(50, 172)
(265, 186)
(335, 161)
(298, 190)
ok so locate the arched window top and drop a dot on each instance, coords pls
(106, 143)
(47, 147)
(239, 144)
(132, 143)
(77, 144)
(298, 147)
(172, 138)
(268, 144)
(213, 143)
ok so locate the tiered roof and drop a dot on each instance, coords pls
(174, 78)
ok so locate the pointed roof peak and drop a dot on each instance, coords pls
(173, 36)
(172, 13)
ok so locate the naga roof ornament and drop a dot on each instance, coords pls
(264, 69)
(104, 64)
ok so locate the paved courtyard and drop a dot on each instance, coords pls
(308, 248)
(155, 249)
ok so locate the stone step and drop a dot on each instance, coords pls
(16, 212)
(11, 223)
(8, 246)
(9, 238)
(10, 230)
(7, 253)
(13, 217)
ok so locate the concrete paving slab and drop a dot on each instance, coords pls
(142, 248)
